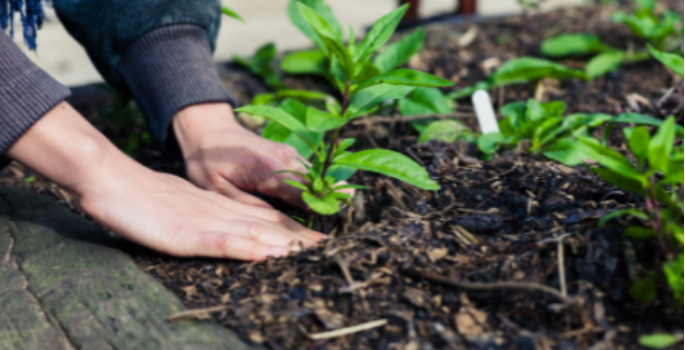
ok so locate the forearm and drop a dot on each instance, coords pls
(67, 149)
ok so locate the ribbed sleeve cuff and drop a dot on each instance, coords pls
(168, 69)
(26, 93)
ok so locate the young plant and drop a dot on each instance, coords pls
(544, 127)
(646, 24)
(262, 64)
(657, 176)
(521, 70)
(362, 89)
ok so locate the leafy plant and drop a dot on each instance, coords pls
(646, 24)
(657, 176)
(544, 127)
(261, 64)
(362, 90)
(521, 70)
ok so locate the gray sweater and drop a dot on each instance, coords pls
(158, 51)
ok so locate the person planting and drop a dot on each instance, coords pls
(158, 51)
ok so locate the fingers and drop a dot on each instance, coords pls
(224, 245)
(306, 235)
(244, 240)
(230, 191)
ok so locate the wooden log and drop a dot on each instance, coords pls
(65, 285)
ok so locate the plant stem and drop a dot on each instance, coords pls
(336, 133)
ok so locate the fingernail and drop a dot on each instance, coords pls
(279, 251)
(295, 248)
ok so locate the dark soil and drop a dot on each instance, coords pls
(506, 255)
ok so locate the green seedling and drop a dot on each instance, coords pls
(448, 131)
(657, 176)
(362, 90)
(421, 101)
(544, 127)
(645, 24)
(262, 64)
(521, 70)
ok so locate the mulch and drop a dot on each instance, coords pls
(507, 254)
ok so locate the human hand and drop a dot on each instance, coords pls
(160, 211)
(224, 157)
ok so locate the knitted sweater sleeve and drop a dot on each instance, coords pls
(26, 94)
(158, 51)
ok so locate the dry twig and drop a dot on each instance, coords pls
(201, 314)
(348, 330)
(496, 285)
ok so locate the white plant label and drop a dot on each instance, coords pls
(484, 112)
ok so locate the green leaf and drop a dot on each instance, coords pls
(619, 180)
(380, 33)
(340, 172)
(527, 69)
(554, 108)
(399, 52)
(628, 212)
(330, 38)
(425, 101)
(446, 130)
(672, 61)
(641, 26)
(297, 184)
(572, 44)
(278, 133)
(262, 64)
(604, 63)
(638, 143)
(228, 12)
(373, 95)
(661, 146)
(408, 77)
(639, 232)
(674, 276)
(346, 143)
(490, 143)
(321, 8)
(326, 205)
(391, 164)
(306, 62)
(350, 186)
(659, 340)
(643, 290)
(321, 121)
(609, 158)
(283, 118)
(564, 151)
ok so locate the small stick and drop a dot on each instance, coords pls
(196, 313)
(348, 330)
(345, 270)
(395, 119)
(497, 285)
(562, 270)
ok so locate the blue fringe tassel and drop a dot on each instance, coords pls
(31, 18)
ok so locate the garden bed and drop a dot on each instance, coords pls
(506, 255)
(465, 266)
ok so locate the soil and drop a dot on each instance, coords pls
(507, 254)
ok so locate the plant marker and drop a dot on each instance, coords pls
(484, 112)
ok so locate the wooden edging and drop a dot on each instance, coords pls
(64, 285)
